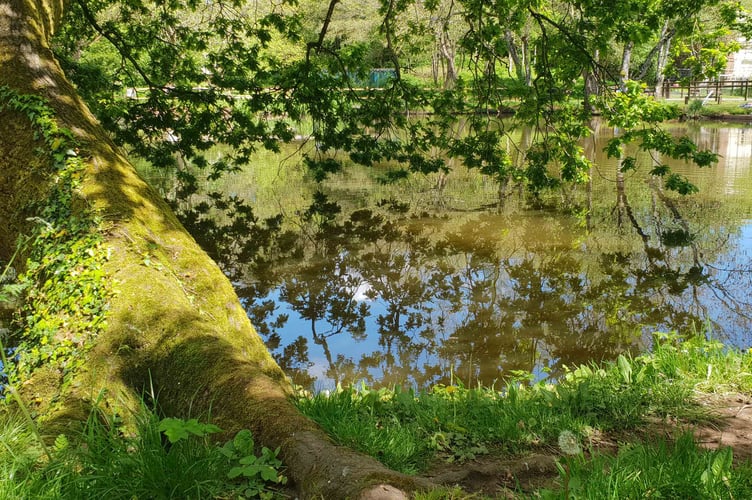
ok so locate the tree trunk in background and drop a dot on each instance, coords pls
(626, 59)
(514, 55)
(528, 58)
(447, 51)
(175, 325)
(662, 61)
(520, 56)
(591, 84)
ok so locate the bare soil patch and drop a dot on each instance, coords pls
(734, 425)
(497, 476)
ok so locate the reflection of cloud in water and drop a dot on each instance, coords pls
(318, 371)
(360, 294)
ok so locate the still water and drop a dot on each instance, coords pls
(435, 277)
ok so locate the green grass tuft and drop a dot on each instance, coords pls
(104, 463)
(660, 470)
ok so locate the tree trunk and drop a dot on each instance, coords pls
(663, 54)
(591, 84)
(626, 60)
(447, 51)
(174, 322)
(516, 61)
(528, 58)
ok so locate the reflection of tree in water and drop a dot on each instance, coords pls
(323, 293)
(396, 270)
(675, 266)
(481, 300)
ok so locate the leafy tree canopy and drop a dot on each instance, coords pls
(171, 79)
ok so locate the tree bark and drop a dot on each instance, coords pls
(514, 55)
(626, 59)
(663, 53)
(591, 84)
(176, 324)
(446, 48)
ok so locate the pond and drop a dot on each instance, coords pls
(436, 279)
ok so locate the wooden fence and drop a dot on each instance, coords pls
(715, 90)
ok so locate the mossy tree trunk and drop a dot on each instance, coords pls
(174, 322)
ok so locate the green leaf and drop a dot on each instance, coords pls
(269, 474)
(660, 170)
(628, 163)
(243, 443)
(613, 149)
(235, 472)
(177, 429)
(625, 368)
(722, 463)
(680, 184)
(705, 158)
(249, 460)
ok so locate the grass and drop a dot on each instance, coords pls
(19, 453)
(695, 109)
(661, 470)
(406, 430)
(409, 430)
(104, 463)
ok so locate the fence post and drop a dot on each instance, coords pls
(718, 90)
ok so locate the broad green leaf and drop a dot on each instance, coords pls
(625, 368)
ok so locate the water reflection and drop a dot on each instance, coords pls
(393, 300)
(348, 288)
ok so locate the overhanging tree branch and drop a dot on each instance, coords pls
(117, 41)
(318, 44)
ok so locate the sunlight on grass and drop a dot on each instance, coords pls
(409, 430)
(406, 429)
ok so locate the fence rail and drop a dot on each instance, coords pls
(715, 90)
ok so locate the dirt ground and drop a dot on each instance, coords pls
(498, 478)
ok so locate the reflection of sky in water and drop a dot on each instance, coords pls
(731, 270)
(541, 237)
(735, 275)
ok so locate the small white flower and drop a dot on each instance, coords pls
(569, 443)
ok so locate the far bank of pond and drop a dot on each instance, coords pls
(435, 278)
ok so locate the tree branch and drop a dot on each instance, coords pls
(667, 35)
(116, 40)
(322, 34)
(540, 17)
(388, 34)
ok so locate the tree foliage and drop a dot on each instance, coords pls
(171, 80)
